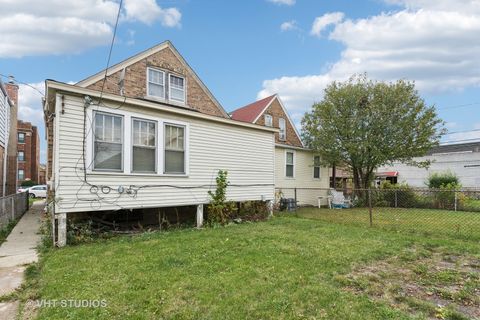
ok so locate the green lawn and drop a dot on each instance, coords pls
(285, 268)
(428, 221)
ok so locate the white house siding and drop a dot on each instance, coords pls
(303, 177)
(4, 118)
(246, 153)
(466, 165)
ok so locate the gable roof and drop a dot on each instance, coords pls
(252, 111)
(142, 55)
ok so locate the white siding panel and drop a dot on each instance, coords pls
(303, 177)
(247, 155)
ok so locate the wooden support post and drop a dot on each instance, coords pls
(199, 215)
(62, 229)
(270, 208)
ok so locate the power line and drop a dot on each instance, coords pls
(464, 131)
(459, 106)
(24, 83)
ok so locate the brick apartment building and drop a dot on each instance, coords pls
(28, 152)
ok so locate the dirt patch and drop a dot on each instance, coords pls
(429, 282)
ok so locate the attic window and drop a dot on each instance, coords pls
(156, 83)
(281, 125)
(177, 88)
(268, 120)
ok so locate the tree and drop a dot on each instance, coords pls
(364, 124)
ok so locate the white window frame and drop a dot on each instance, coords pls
(268, 120)
(294, 164)
(132, 119)
(18, 155)
(167, 123)
(282, 120)
(164, 84)
(127, 156)
(319, 169)
(24, 137)
(23, 174)
(170, 75)
(122, 166)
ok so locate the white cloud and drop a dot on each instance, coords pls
(435, 47)
(59, 26)
(285, 2)
(289, 25)
(321, 23)
(30, 103)
(148, 11)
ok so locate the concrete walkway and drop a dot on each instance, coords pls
(16, 252)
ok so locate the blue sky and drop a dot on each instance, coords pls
(244, 50)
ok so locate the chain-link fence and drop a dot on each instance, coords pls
(429, 211)
(12, 207)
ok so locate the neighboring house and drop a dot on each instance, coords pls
(154, 138)
(28, 153)
(461, 159)
(8, 138)
(295, 166)
(42, 172)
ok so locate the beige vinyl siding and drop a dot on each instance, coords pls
(247, 155)
(303, 176)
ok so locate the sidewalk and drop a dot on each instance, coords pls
(16, 252)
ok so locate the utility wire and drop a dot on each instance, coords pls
(24, 83)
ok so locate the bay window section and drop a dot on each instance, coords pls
(144, 148)
(156, 83)
(177, 88)
(174, 149)
(108, 142)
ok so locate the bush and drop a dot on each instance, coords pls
(219, 210)
(28, 183)
(253, 211)
(437, 180)
(397, 195)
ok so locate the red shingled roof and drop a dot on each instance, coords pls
(250, 112)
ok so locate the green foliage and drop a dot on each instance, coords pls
(437, 180)
(28, 183)
(5, 231)
(253, 211)
(219, 210)
(364, 124)
(398, 195)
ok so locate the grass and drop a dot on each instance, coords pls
(285, 268)
(5, 231)
(427, 221)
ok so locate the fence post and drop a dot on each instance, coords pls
(455, 192)
(295, 194)
(13, 207)
(396, 197)
(370, 206)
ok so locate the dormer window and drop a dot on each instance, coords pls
(156, 83)
(177, 88)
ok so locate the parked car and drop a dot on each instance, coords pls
(22, 189)
(39, 191)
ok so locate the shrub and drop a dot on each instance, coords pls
(219, 210)
(28, 183)
(398, 195)
(437, 180)
(253, 211)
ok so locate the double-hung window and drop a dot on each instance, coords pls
(144, 146)
(108, 142)
(316, 167)
(156, 83)
(21, 174)
(21, 137)
(21, 156)
(281, 125)
(268, 120)
(177, 88)
(174, 149)
(289, 164)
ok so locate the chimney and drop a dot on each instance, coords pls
(12, 90)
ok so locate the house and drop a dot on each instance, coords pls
(298, 173)
(462, 159)
(148, 134)
(28, 153)
(8, 138)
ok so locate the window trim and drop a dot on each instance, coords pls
(18, 155)
(294, 163)
(284, 138)
(164, 98)
(164, 149)
(122, 130)
(24, 137)
(268, 116)
(132, 145)
(319, 168)
(184, 88)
